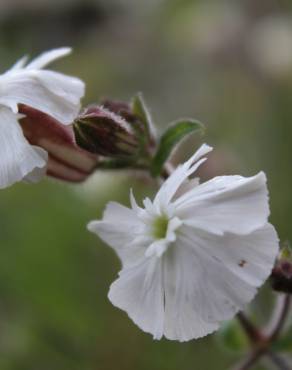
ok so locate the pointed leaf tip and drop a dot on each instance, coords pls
(173, 135)
(140, 109)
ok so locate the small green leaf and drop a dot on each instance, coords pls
(232, 337)
(140, 109)
(171, 137)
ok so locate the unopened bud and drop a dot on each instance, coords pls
(281, 278)
(102, 131)
(124, 110)
(117, 106)
(66, 161)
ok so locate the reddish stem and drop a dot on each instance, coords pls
(253, 333)
(281, 314)
(251, 360)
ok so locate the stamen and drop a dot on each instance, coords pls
(159, 227)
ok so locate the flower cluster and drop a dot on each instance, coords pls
(193, 256)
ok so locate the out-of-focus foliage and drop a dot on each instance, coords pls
(227, 63)
(232, 338)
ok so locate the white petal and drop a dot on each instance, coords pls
(173, 225)
(157, 248)
(117, 213)
(176, 179)
(118, 229)
(182, 320)
(19, 64)
(18, 157)
(214, 291)
(39, 172)
(250, 257)
(49, 56)
(139, 292)
(187, 185)
(50, 92)
(133, 202)
(226, 204)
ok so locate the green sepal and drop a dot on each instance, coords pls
(139, 109)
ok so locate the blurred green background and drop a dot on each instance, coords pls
(227, 63)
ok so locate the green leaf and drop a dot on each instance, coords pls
(140, 109)
(171, 137)
(232, 337)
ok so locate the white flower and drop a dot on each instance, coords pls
(52, 93)
(194, 256)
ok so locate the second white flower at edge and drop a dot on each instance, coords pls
(49, 92)
(194, 256)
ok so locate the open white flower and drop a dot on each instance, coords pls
(194, 256)
(52, 93)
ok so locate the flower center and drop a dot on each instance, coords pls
(159, 227)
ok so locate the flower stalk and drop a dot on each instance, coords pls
(262, 340)
(281, 312)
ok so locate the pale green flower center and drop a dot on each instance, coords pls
(159, 227)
